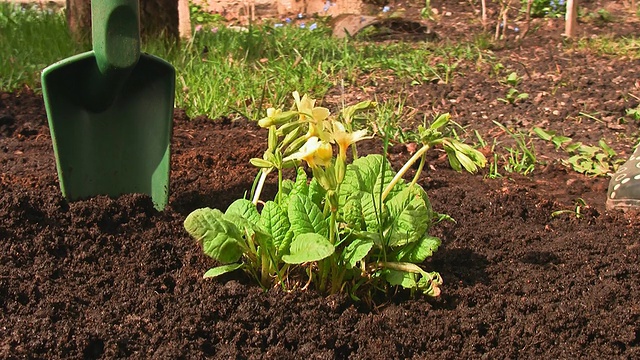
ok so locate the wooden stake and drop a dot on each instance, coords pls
(184, 19)
(484, 15)
(571, 19)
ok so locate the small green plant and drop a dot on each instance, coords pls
(598, 160)
(557, 140)
(353, 227)
(513, 96)
(494, 171)
(634, 113)
(592, 160)
(497, 68)
(522, 157)
(427, 12)
(513, 79)
(579, 205)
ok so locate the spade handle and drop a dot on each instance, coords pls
(116, 34)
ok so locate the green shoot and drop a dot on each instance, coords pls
(579, 205)
(521, 158)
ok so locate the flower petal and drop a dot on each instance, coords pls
(319, 113)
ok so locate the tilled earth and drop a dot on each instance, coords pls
(113, 278)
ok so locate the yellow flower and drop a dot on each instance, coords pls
(314, 115)
(315, 152)
(344, 138)
(276, 117)
(272, 113)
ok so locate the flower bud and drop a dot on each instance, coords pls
(261, 163)
(272, 140)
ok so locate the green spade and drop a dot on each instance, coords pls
(110, 111)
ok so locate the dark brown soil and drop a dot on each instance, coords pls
(113, 278)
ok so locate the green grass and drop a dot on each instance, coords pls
(30, 40)
(229, 71)
(611, 46)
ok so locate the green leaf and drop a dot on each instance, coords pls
(574, 147)
(360, 209)
(544, 135)
(440, 121)
(306, 217)
(410, 215)
(245, 209)
(401, 278)
(466, 155)
(607, 149)
(418, 251)
(274, 221)
(300, 186)
(408, 275)
(466, 162)
(588, 150)
(364, 175)
(453, 160)
(558, 141)
(220, 238)
(307, 248)
(351, 213)
(316, 192)
(356, 251)
(429, 283)
(220, 270)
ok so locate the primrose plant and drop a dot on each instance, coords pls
(353, 226)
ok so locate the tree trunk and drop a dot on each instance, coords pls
(157, 17)
(79, 19)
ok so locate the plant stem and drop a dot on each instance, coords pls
(279, 200)
(423, 159)
(400, 266)
(265, 269)
(263, 177)
(332, 226)
(404, 169)
(330, 262)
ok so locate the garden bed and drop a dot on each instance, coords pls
(111, 278)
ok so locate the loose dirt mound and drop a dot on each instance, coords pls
(111, 278)
(107, 278)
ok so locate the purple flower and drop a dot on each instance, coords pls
(287, 20)
(278, 25)
(516, 29)
(302, 26)
(386, 9)
(313, 26)
(300, 16)
(327, 5)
